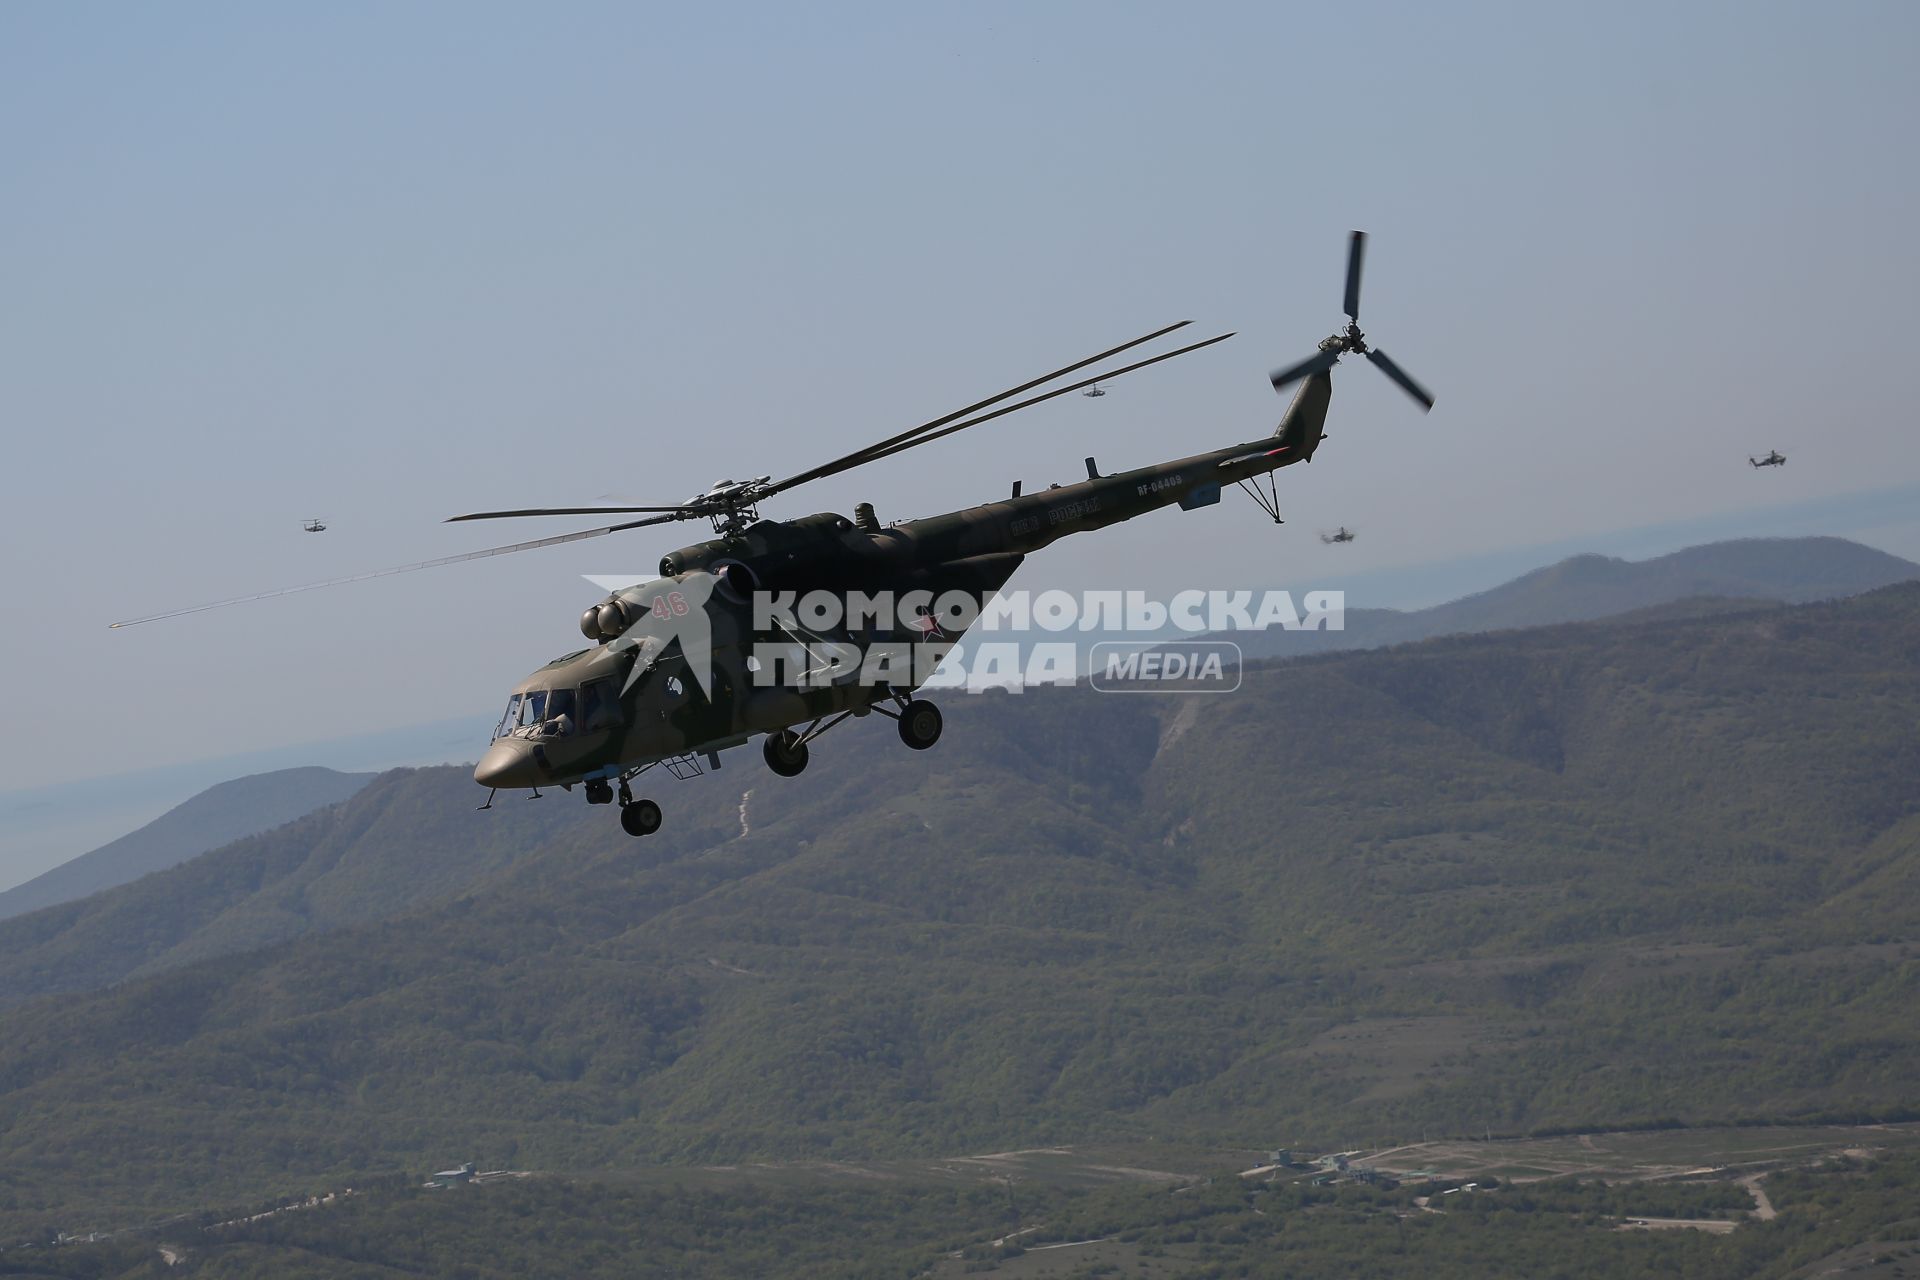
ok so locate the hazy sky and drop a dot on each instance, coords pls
(382, 263)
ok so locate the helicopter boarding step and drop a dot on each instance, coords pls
(689, 766)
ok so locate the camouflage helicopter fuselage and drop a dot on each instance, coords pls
(617, 719)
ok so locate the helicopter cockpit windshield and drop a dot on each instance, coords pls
(538, 713)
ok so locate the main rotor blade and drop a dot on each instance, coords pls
(383, 573)
(1356, 251)
(1401, 376)
(1320, 363)
(989, 417)
(562, 511)
(891, 443)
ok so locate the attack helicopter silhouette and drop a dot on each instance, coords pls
(1342, 534)
(696, 661)
(1773, 459)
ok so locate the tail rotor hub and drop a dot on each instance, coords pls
(1350, 341)
(1347, 341)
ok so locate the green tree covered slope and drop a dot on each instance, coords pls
(1588, 875)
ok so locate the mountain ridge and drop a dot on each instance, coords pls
(320, 871)
(1590, 586)
(214, 817)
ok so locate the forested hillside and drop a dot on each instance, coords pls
(400, 841)
(1588, 875)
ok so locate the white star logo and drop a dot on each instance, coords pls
(665, 610)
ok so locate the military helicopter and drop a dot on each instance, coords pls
(314, 526)
(1094, 392)
(679, 666)
(1342, 534)
(1774, 458)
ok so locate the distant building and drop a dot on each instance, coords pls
(452, 1177)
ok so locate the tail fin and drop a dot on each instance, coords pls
(1306, 418)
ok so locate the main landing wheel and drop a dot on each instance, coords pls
(920, 724)
(786, 754)
(641, 818)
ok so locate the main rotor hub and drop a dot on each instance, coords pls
(731, 505)
(733, 520)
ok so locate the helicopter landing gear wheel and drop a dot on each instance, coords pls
(641, 818)
(786, 753)
(920, 724)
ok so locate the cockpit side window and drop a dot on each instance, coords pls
(599, 704)
(511, 720)
(551, 712)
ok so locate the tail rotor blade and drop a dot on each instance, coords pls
(1401, 376)
(1356, 253)
(1306, 368)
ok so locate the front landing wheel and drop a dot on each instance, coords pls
(786, 753)
(641, 818)
(920, 724)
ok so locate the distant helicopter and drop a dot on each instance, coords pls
(314, 526)
(1095, 391)
(1773, 459)
(1342, 534)
(675, 676)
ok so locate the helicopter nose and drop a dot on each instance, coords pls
(507, 764)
